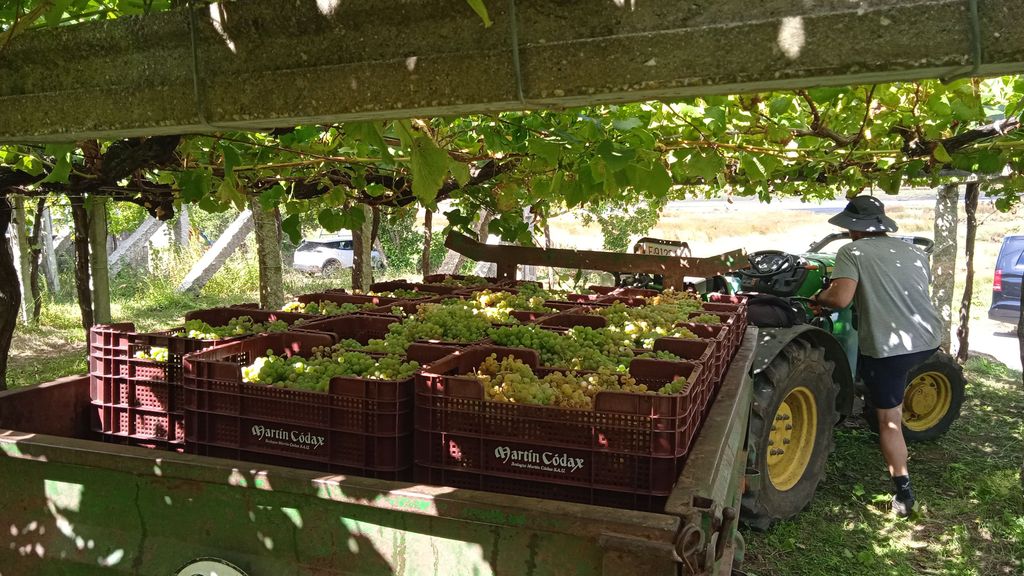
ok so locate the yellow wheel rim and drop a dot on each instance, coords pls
(927, 401)
(791, 439)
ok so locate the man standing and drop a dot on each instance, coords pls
(887, 279)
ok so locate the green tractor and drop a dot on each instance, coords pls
(806, 380)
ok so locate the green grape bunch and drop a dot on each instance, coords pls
(153, 353)
(528, 301)
(468, 281)
(676, 386)
(240, 326)
(326, 307)
(314, 373)
(511, 380)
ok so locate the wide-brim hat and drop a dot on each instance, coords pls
(864, 214)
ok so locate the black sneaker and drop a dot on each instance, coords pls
(902, 508)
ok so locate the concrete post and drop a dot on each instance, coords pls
(217, 255)
(49, 262)
(135, 242)
(24, 255)
(182, 227)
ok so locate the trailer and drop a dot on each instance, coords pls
(73, 505)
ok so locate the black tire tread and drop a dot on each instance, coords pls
(797, 357)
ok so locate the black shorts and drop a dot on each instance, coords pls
(886, 378)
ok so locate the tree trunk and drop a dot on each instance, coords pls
(24, 257)
(428, 231)
(362, 242)
(82, 276)
(181, 228)
(98, 259)
(547, 246)
(944, 259)
(36, 253)
(376, 237)
(268, 252)
(971, 208)
(10, 291)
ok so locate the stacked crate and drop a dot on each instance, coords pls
(138, 399)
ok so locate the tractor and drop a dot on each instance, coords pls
(805, 375)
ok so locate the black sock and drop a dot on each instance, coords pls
(903, 490)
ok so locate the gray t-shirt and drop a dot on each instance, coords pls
(892, 297)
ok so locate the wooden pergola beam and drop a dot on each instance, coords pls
(260, 64)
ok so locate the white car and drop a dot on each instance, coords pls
(328, 255)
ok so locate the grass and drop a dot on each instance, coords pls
(56, 346)
(971, 521)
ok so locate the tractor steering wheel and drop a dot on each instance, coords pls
(767, 263)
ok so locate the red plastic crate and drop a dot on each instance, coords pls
(363, 327)
(727, 298)
(628, 443)
(625, 292)
(414, 286)
(580, 316)
(359, 327)
(359, 426)
(735, 322)
(142, 400)
(345, 298)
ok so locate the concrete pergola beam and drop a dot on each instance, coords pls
(268, 63)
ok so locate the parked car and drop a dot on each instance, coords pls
(329, 255)
(1006, 281)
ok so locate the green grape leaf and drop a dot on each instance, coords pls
(890, 182)
(194, 184)
(270, 198)
(61, 170)
(429, 168)
(705, 163)
(371, 133)
(460, 171)
(779, 105)
(546, 150)
(292, 226)
(228, 192)
(941, 155)
(330, 219)
(658, 181)
(480, 8)
(626, 124)
(615, 158)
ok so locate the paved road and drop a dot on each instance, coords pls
(995, 339)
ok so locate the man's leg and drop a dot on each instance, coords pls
(894, 447)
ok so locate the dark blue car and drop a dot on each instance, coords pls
(1007, 280)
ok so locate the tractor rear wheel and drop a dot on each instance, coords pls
(790, 433)
(931, 403)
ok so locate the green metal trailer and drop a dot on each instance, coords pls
(72, 506)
